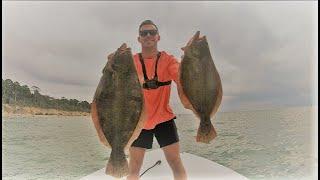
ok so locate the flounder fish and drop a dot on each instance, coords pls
(201, 85)
(118, 109)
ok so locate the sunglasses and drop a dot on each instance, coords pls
(146, 32)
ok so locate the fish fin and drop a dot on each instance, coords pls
(182, 96)
(206, 131)
(95, 119)
(139, 127)
(117, 165)
(218, 100)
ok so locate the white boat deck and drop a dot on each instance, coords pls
(197, 168)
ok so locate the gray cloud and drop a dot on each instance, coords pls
(264, 51)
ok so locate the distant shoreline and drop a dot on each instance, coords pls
(25, 111)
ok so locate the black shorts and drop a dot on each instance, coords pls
(165, 133)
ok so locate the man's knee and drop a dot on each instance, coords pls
(136, 156)
(172, 154)
(174, 160)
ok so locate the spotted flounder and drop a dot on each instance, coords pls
(118, 109)
(201, 85)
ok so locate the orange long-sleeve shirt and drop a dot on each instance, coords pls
(157, 100)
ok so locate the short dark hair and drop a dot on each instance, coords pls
(145, 22)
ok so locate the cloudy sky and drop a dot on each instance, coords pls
(265, 52)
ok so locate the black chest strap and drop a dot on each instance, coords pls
(155, 71)
(163, 83)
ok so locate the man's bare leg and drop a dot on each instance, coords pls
(136, 156)
(172, 153)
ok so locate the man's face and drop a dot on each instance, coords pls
(147, 36)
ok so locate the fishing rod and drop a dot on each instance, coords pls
(157, 163)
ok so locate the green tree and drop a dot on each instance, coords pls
(14, 93)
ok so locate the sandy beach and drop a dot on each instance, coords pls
(20, 111)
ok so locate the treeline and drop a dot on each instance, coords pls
(15, 94)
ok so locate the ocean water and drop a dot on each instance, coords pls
(264, 144)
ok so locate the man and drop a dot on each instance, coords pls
(156, 70)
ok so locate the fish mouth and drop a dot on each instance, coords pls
(124, 48)
(196, 37)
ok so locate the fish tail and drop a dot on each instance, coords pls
(117, 165)
(206, 131)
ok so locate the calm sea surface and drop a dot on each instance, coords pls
(264, 144)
